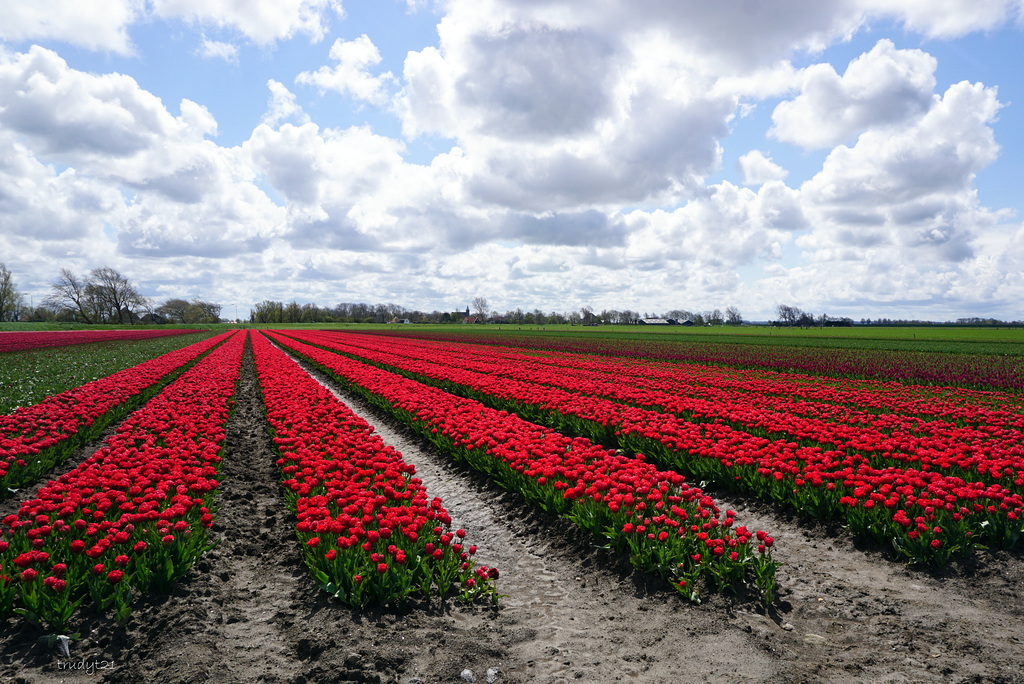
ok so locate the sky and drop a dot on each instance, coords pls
(858, 158)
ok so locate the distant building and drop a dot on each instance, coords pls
(658, 321)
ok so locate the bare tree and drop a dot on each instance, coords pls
(10, 299)
(480, 307)
(733, 316)
(116, 294)
(788, 315)
(68, 293)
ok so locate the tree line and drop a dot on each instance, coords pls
(103, 295)
(480, 311)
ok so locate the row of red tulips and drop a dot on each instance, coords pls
(927, 515)
(134, 514)
(981, 442)
(35, 438)
(878, 398)
(23, 341)
(1002, 371)
(368, 532)
(664, 524)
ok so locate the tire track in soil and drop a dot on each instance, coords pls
(855, 615)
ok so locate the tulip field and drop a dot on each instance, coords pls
(934, 472)
(366, 506)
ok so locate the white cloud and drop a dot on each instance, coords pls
(351, 75)
(282, 106)
(566, 118)
(948, 18)
(104, 25)
(154, 181)
(908, 195)
(74, 115)
(264, 23)
(38, 202)
(883, 86)
(758, 169)
(212, 49)
(730, 227)
(90, 24)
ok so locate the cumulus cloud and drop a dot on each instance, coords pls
(282, 106)
(90, 24)
(730, 227)
(345, 189)
(212, 49)
(758, 169)
(910, 190)
(38, 202)
(883, 86)
(351, 75)
(133, 170)
(104, 24)
(558, 118)
(73, 114)
(947, 18)
(264, 23)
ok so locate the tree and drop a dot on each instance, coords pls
(69, 293)
(480, 307)
(115, 295)
(174, 310)
(733, 316)
(788, 315)
(199, 311)
(679, 315)
(267, 312)
(10, 299)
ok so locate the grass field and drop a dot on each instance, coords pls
(1000, 341)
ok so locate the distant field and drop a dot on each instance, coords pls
(972, 357)
(998, 341)
(994, 341)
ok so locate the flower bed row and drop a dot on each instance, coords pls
(35, 438)
(926, 515)
(134, 514)
(969, 441)
(664, 524)
(369, 534)
(21, 341)
(985, 371)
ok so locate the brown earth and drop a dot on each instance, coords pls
(249, 611)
